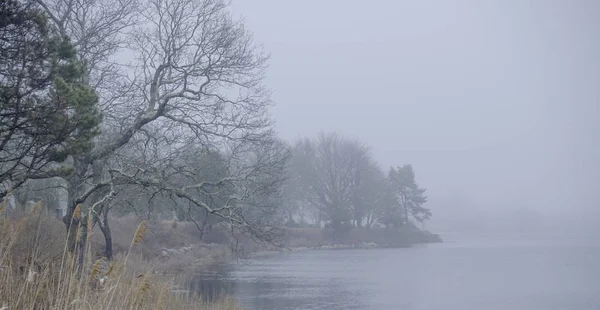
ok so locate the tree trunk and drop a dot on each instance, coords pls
(370, 220)
(81, 246)
(76, 244)
(102, 209)
(204, 224)
(105, 228)
(71, 224)
(336, 225)
(108, 249)
(404, 204)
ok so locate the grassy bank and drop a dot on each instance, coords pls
(38, 273)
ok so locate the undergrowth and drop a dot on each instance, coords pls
(38, 272)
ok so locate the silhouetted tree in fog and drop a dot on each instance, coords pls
(409, 195)
(367, 194)
(327, 171)
(336, 179)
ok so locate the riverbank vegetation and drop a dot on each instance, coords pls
(38, 272)
(115, 113)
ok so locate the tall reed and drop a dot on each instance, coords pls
(38, 272)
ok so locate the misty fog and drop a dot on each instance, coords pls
(314, 154)
(495, 103)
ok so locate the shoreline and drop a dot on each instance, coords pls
(202, 255)
(176, 250)
(428, 238)
(367, 245)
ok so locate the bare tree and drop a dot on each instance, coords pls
(368, 194)
(239, 183)
(328, 167)
(193, 77)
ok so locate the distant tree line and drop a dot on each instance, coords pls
(335, 182)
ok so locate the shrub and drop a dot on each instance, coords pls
(38, 273)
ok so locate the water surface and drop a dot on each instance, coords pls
(495, 272)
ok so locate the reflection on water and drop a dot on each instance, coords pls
(214, 283)
(512, 272)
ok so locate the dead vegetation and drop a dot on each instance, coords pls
(37, 271)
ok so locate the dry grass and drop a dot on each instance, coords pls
(38, 273)
(160, 235)
(166, 248)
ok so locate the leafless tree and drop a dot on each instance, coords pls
(367, 197)
(170, 74)
(328, 169)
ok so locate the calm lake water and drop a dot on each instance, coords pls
(495, 272)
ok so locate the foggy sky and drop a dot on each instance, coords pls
(495, 103)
